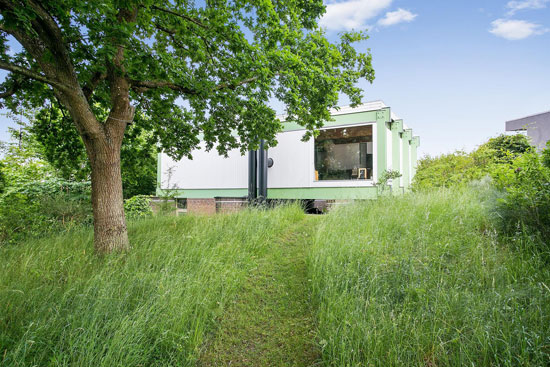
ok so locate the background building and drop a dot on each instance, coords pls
(537, 127)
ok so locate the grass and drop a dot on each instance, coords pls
(271, 323)
(422, 280)
(419, 280)
(61, 305)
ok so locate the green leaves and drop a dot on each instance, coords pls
(209, 69)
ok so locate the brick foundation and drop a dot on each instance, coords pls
(230, 205)
(201, 206)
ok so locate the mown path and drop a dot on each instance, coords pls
(271, 322)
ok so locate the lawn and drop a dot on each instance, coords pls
(418, 280)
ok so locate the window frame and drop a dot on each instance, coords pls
(349, 182)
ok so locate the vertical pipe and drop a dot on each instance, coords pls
(252, 176)
(262, 172)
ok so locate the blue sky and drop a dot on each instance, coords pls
(455, 71)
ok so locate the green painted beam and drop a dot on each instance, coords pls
(382, 124)
(396, 130)
(324, 193)
(347, 119)
(415, 143)
(406, 137)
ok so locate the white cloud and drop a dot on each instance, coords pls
(516, 29)
(515, 6)
(352, 14)
(396, 17)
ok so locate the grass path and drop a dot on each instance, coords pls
(270, 323)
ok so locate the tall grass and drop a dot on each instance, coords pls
(62, 305)
(422, 280)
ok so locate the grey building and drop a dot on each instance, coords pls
(537, 127)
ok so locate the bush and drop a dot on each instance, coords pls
(35, 208)
(138, 207)
(526, 204)
(460, 168)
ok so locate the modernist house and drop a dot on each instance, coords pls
(343, 162)
(537, 127)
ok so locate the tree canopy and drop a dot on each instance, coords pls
(199, 70)
(208, 69)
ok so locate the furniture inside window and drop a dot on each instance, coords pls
(344, 154)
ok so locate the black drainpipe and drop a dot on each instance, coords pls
(262, 172)
(252, 176)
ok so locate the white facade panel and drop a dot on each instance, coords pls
(291, 161)
(207, 170)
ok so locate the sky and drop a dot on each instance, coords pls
(454, 71)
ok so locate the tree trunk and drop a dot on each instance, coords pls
(110, 232)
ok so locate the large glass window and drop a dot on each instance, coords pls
(344, 154)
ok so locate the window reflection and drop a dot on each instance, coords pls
(344, 154)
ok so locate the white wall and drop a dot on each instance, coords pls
(293, 166)
(207, 170)
(292, 159)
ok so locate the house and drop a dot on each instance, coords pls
(537, 127)
(343, 162)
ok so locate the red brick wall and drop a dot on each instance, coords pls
(230, 205)
(201, 206)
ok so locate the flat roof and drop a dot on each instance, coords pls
(364, 107)
(521, 123)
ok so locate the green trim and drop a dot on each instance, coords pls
(406, 137)
(327, 193)
(382, 123)
(324, 193)
(415, 143)
(396, 129)
(347, 119)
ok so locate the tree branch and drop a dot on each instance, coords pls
(31, 74)
(189, 19)
(141, 86)
(89, 88)
(144, 85)
(10, 92)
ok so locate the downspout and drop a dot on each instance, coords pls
(252, 176)
(262, 172)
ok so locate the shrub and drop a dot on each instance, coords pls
(459, 168)
(138, 207)
(35, 208)
(526, 204)
(447, 170)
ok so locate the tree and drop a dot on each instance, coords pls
(2, 178)
(194, 68)
(62, 147)
(22, 160)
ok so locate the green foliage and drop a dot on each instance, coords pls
(138, 207)
(546, 155)
(2, 178)
(460, 168)
(153, 306)
(62, 147)
(504, 148)
(422, 280)
(526, 204)
(226, 62)
(38, 207)
(385, 177)
(446, 170)
(23, 162)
